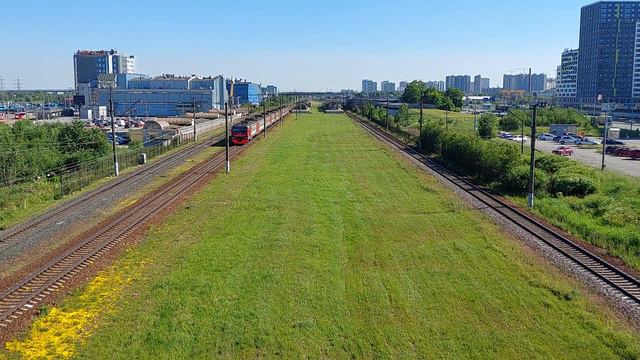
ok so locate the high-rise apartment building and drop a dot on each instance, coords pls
(521, 82)
(567, 77)
(462, 82)
(369, 86)
(402, 86)
(438, 85)
(609, 51)
(387, 87)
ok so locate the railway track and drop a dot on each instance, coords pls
(614, 277)
(42, 282)
(14, 236)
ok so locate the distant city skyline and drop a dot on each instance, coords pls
(295, 46)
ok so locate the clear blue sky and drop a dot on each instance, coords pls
(302, 45)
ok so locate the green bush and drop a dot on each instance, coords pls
(509, 123)
(551, 163)
(569, 184)
(517, 180)
(432, 137)
(497, 159)
(487, 126)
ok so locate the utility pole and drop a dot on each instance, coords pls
(421, 119)
(226, 142)
(1, 83)
(264, 115)
(387, 119)
(280, 101)
(475, 118)
(18, 83)
(522, 137)
(606, 130)
(113, 132)
(195, 135)
(446, 120)
(532, 162)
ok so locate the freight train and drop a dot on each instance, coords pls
(246, 130)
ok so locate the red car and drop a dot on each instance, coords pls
(634, 154)
(563, 151)
(623, 151)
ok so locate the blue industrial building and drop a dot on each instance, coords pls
(165, 95)
(246, 92)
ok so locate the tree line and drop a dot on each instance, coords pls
(417, 91)
(29, 151)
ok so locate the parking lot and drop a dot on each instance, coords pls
(593, 157)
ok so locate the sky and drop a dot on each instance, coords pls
(296, 45)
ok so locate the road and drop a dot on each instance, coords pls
(593, 157)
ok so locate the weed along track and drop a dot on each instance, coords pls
(25, 295)
(616, 279)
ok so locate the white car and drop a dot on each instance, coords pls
(588, 141)
(546, 137)
(518, 138)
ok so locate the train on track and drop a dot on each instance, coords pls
(245, 131)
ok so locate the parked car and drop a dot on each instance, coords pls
(518, 138)
(634, 154)
(563, 151)
(587, 141)
(611, 149)
(623, 151)
(546, 137)
(504, 135)
(567, 139)
(119, 140)
(614, 142)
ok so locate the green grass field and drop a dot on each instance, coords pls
(324, 244)
(458, 121)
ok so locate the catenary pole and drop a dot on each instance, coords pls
(116, 171)
(604, 137)
(532, 162)
(421, 121)
(195, 135)
(226, 129)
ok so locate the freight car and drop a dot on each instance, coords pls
(246, 130)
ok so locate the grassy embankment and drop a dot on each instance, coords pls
(610, 218)
(321, 243)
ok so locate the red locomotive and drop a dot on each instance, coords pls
(246, 130)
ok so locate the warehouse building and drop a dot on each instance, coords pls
(165, 95)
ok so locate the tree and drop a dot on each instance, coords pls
(456, 96)
(513, 120)
(414, 91)
(434, 97)
(402, 117)
(487, 125)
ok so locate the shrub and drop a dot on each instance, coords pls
(517, 180)
(497, 159)
(487, 126)
(464, 152)
(432, 137)
(569, 184)
(551, 163)
(509, 123)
